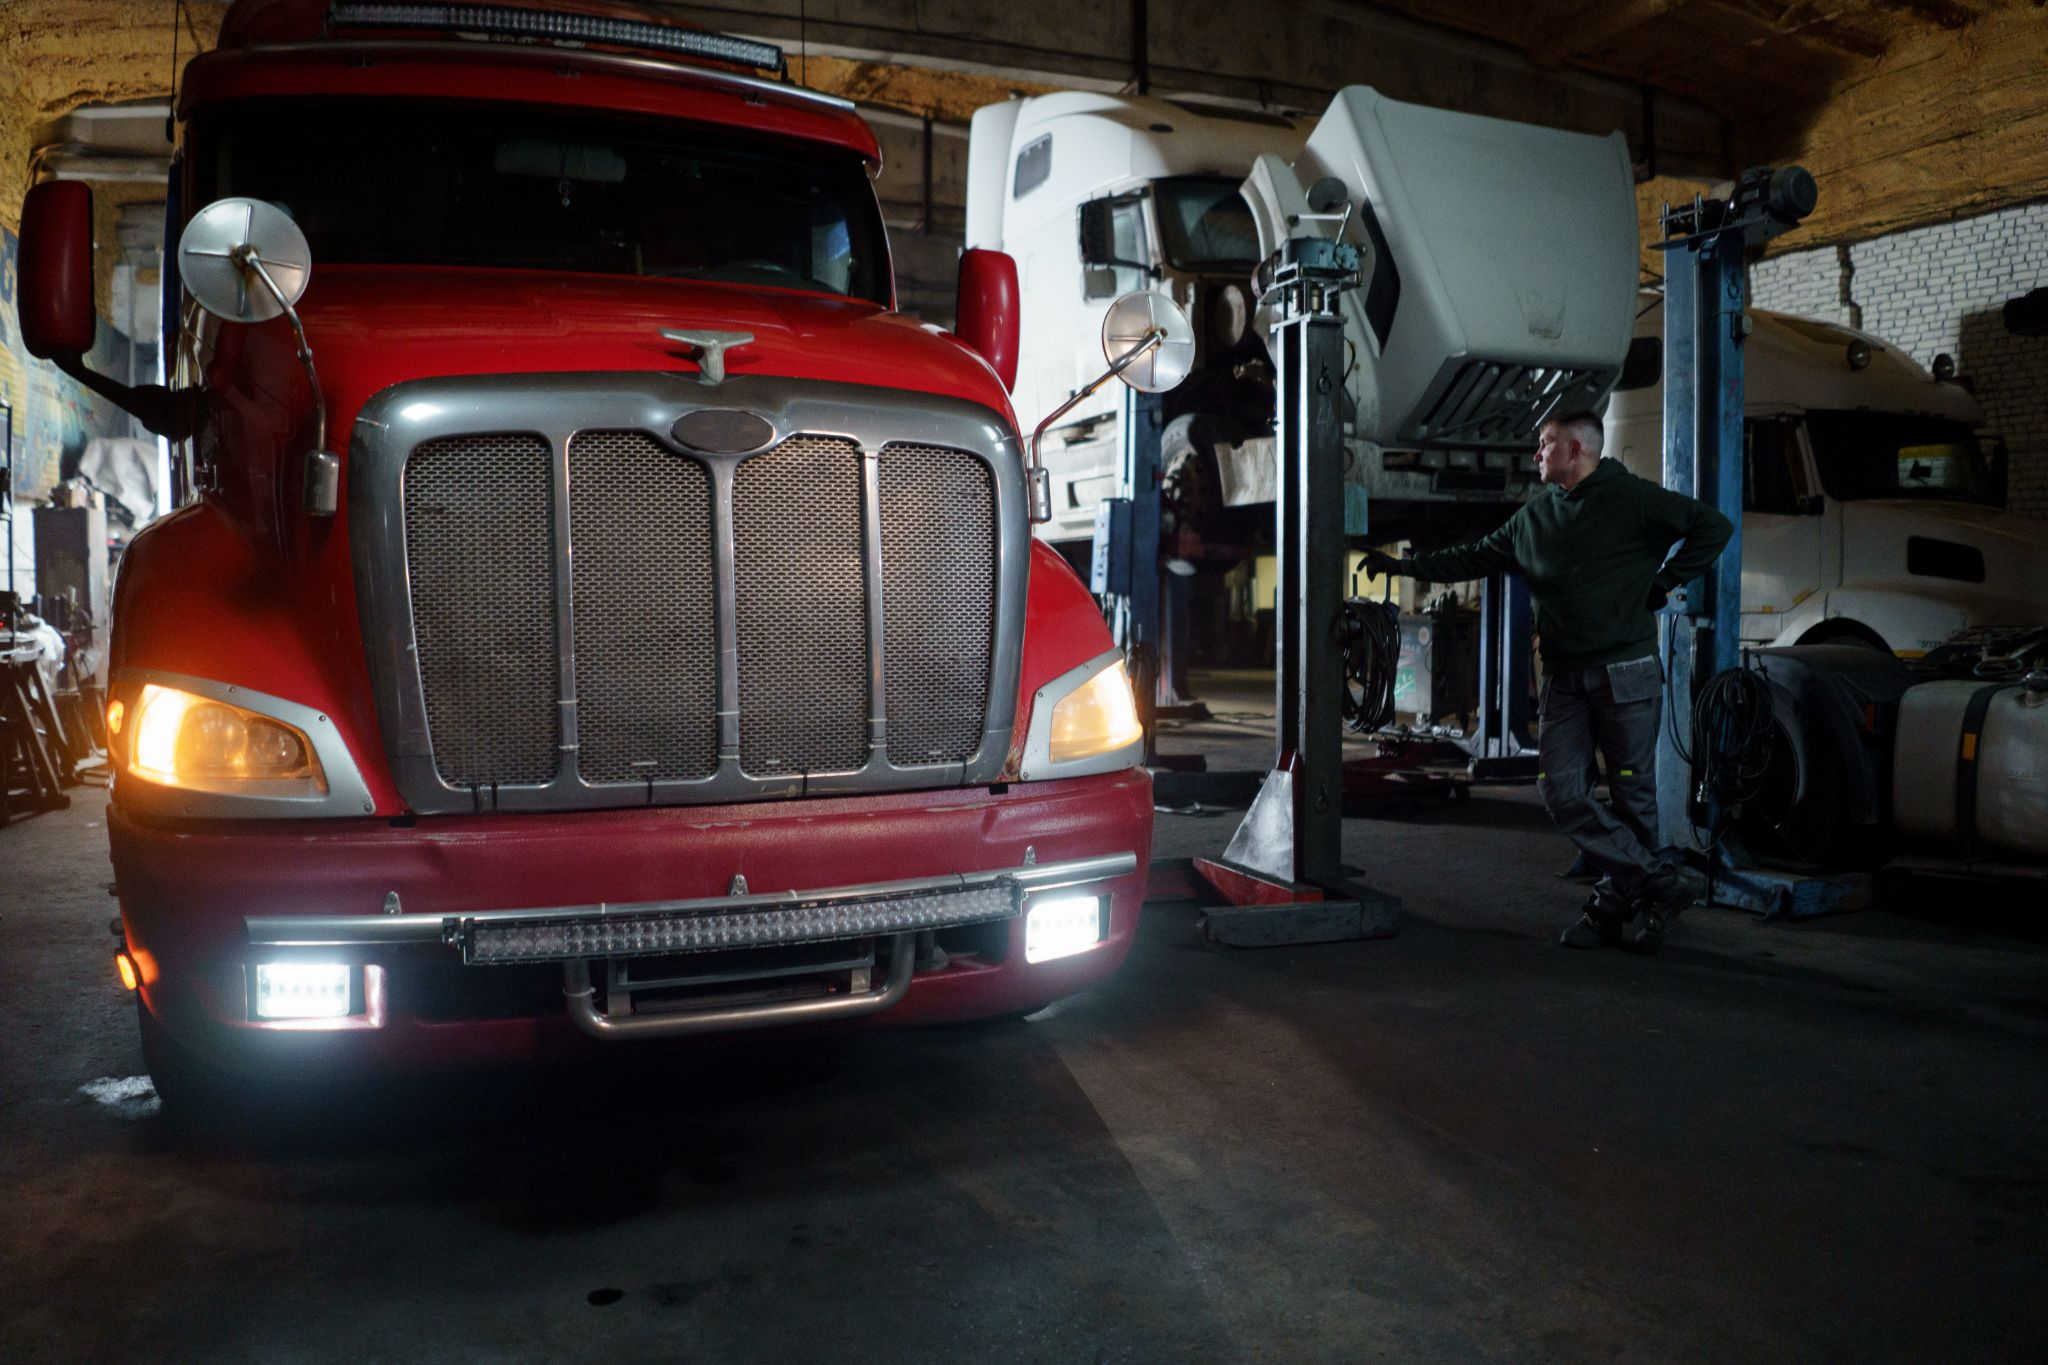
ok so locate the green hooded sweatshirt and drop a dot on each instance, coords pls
(1590, 555)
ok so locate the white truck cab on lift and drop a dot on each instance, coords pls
(1156, 182)
(1500, 280)
(1870, 511)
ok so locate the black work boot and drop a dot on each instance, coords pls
(1596, 927)
(1664, 896)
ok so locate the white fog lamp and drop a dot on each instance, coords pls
(302, 990)
(1060, 926)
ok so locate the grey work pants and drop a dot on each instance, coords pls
(1616, 710)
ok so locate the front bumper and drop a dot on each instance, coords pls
(463, 897)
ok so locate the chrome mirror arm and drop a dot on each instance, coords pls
(1039, 484)
(323, 467)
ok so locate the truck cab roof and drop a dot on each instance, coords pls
(588, 53)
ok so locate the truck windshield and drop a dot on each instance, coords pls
(1204, 223)
(1895, 455)
(554, 189)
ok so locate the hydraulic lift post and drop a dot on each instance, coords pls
(1705, 288)
(1284, 868)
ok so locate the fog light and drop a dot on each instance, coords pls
(302, 990)
(1063, 926)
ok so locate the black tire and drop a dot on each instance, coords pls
(188, 1087)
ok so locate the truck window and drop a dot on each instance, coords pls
(1898, 455)
(1204, 224)
(1769, 447)
(1034, 165)
(1127, 243)
(507, 187)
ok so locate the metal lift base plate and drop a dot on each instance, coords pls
(1790, 895)
(1275, 926)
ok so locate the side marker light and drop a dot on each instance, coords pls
(125, 965)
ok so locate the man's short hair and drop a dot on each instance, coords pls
(1584, 425)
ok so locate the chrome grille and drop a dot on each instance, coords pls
(938, 600)
(646, 645)
(800, 606)
(480, 553)
(585, 613)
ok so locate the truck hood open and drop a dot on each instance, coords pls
(372, 327)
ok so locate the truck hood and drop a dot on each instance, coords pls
(1931, 544)
(372, 327)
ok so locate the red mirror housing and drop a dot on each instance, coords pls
(987, 312)
(54, 290)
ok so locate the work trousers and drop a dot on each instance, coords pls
(1616, 710)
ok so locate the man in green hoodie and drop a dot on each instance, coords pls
(1597, 552)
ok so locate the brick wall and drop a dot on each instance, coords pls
(1940, 289)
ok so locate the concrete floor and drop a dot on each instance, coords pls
(1806, 1142)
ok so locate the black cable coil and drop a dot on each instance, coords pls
(1370, 639)
(1732, 732)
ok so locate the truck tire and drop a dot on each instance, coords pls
(191, 1091)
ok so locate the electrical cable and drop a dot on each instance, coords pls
(1370, 641)
(1734, 734)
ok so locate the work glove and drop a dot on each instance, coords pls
(1658, 597)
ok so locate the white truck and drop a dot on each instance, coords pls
(1499, 288)
(1097, 195)
(1870, 512)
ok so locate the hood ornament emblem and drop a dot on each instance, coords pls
(708, 350)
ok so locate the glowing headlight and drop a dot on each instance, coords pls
(1061, 926)
(1097, 717)
(183, 740)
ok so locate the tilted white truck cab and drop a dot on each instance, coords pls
(1871, 513)
(1154, 183)
(1500, 285)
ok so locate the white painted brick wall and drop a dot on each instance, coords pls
(1940, 289)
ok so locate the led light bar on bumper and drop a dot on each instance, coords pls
(546, 939)
(581, 932)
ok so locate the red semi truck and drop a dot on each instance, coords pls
(597, 612)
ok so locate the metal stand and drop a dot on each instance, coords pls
(1284, 868)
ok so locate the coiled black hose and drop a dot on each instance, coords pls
(1370, 638)
(1732, 734)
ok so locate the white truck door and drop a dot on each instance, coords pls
(1781, 527)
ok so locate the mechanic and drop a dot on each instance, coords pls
(1593, 551)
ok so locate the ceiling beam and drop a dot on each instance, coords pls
(1588, 29)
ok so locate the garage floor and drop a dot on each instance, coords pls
(1794, 1142)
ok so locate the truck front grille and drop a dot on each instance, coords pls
(599, 617)
(646, 651)
(938, 624)
(801, 608)
(480, 556)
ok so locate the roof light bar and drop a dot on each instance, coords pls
(549, 25)
(490, 942)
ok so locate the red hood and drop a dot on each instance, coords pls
(372, 327)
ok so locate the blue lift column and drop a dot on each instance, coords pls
(1705, 324)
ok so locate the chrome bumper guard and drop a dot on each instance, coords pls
(575, 935)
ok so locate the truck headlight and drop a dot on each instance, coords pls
(1084, 721)
(184, 740)
(1095, 718)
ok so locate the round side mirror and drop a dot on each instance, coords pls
(1132, 321)
(227, 249)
